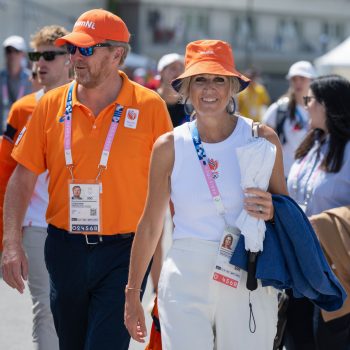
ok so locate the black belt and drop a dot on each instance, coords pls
(87, 238)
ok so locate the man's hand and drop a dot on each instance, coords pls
(14, 265)
(18, 192)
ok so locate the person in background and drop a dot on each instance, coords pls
(139, 75)
(253, 101)
(169, 67)
(288, 116)
(34, 79)
(14, 79)
(319, 180)
(52, 67)
(196, 311)
(97, 133)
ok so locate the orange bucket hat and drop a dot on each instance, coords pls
(210, 57)
(94, 27)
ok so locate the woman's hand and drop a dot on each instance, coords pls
(134, 317)
(258, 203)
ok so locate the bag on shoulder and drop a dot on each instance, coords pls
(282, 114)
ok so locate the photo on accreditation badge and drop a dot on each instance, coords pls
(227, 242)
(76, 192)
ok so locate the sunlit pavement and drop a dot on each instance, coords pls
(16, 318)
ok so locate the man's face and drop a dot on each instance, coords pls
(13, 57)
(172, 71)
(76, 191)
(51, 72)
(91, 71)
(300, 85)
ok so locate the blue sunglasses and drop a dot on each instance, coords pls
(85, 51)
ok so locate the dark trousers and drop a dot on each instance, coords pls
(333, 334)
(87, 285)
(306, 329)
(299, 328)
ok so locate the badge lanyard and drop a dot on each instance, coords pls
(224, 272)
(68, 135)
(85, 206)
(203, 160)
(5, 93)
(315, 171)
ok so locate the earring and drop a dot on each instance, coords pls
(231, 107)
(188, 108)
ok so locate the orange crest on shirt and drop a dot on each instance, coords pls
(131, 115)
(213, 164)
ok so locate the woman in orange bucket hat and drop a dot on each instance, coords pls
(203, 300)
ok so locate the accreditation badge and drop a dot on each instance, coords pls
(224, 272)
(84, 207)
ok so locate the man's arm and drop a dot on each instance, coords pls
(7, 166)
(18, 193)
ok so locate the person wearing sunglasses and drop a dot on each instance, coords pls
(51, 73)
(288, 116)
(50, 61)
(318, 181)
(14, 79)
(96, 132)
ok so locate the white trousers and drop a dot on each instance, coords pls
(198, 313)
(44, 333)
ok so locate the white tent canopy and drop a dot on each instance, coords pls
(336, 61)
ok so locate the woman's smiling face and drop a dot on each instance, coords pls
(209, 93)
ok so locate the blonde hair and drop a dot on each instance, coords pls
(47, 35)
(184, 91)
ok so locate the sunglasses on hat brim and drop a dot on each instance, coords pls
(85, 51)
(47, 55)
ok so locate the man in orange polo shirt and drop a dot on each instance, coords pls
(53, 66)
(96, 133)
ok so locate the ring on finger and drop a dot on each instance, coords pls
(260, 208)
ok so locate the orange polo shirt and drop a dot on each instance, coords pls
(18, 116)
(124, 182)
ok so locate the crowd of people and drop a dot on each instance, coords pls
(92, 159)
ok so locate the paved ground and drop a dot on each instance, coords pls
(15, 319)
(15, 313)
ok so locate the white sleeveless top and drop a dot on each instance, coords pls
(195, 213)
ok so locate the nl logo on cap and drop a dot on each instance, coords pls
(87, 24)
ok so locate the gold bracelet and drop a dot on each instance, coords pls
(132, 288)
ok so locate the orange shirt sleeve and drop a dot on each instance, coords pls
(30, 149)
(17, 119)
(162, 121)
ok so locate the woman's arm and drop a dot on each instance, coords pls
(148, 232)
